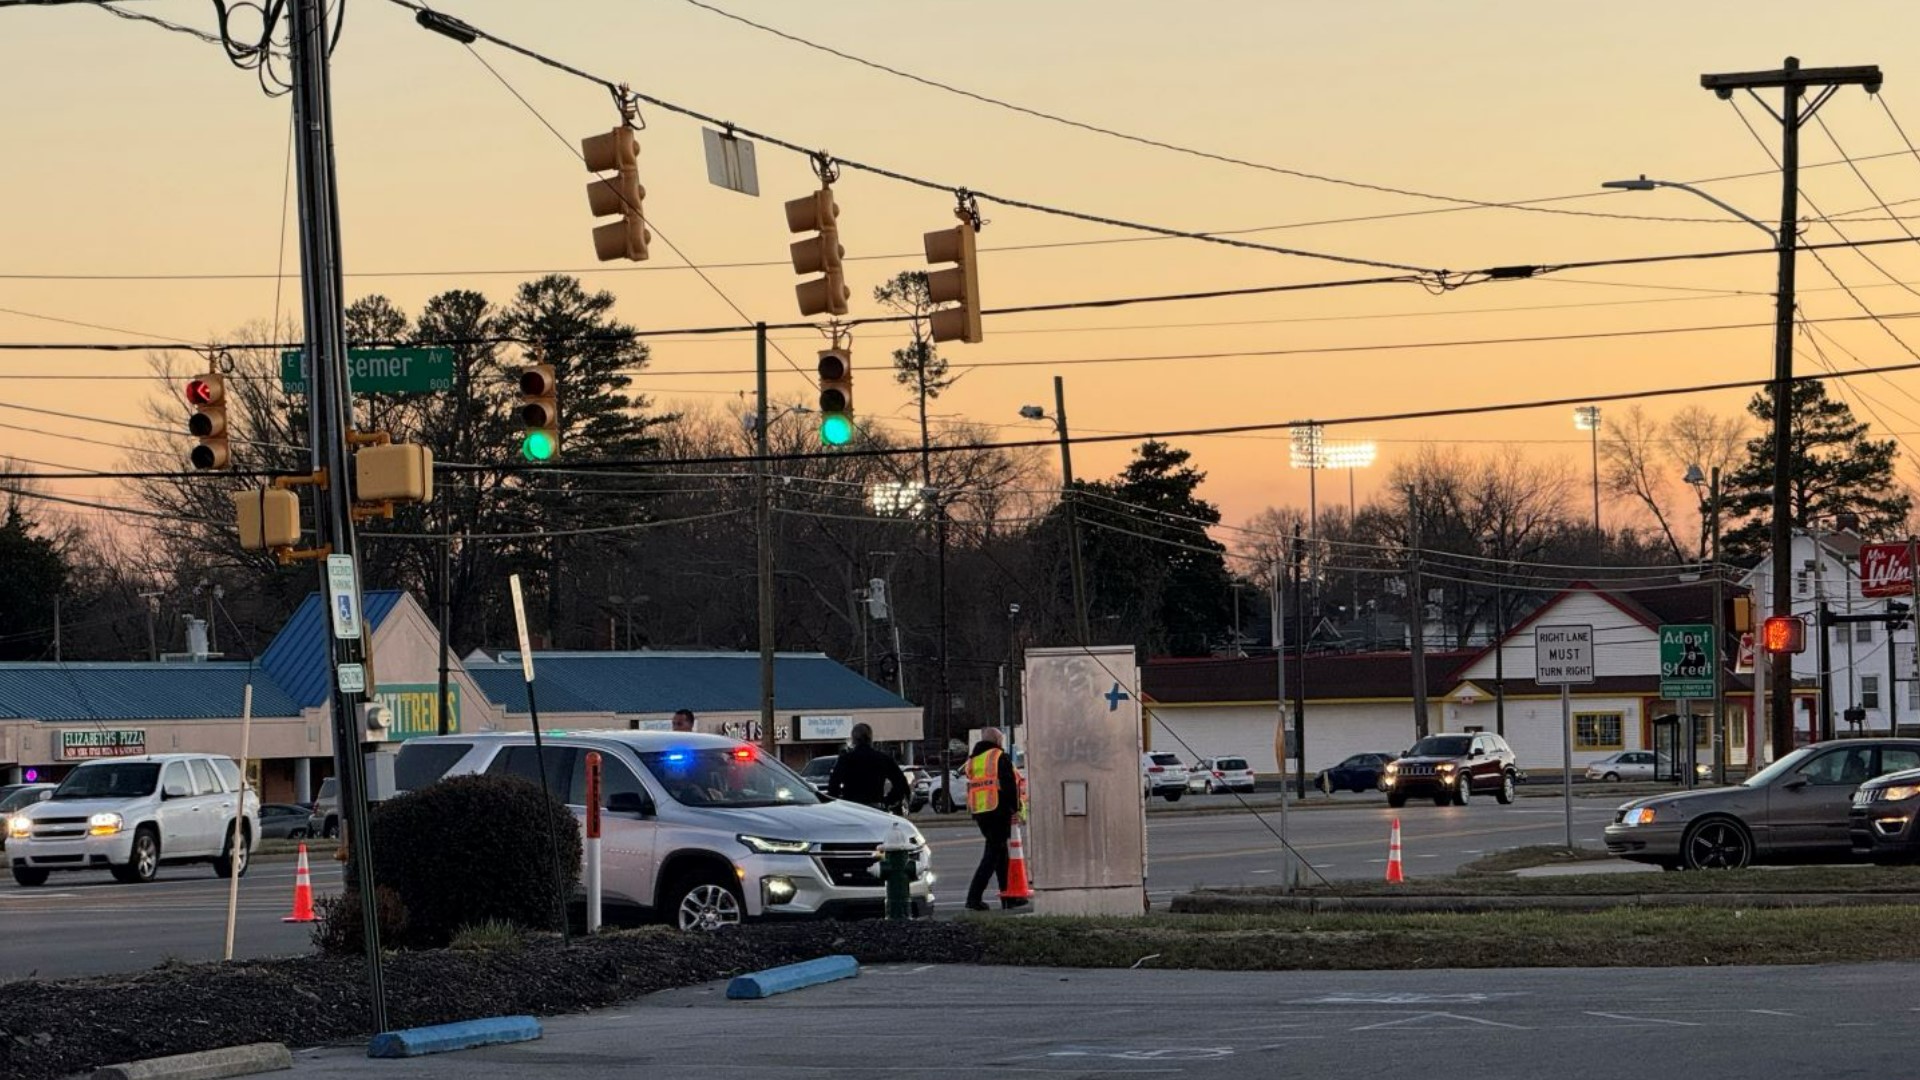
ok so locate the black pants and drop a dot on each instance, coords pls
(997, 829)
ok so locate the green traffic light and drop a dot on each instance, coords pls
(538, 446)
(836, 429)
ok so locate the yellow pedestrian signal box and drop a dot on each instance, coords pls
(267, 518)
(395, 472)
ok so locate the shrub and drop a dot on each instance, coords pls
(489, 936)
(474, 849)
(337, 926)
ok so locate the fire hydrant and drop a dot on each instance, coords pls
(897, 869)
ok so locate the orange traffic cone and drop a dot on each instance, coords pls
(1394, 874)
(1018, 888)
(302, 891)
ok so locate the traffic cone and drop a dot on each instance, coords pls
(1394, 874)
(302, 891)
(1018, 888)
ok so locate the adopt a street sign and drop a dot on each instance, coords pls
(379, 371)
(1563, 655)
(1686, 661)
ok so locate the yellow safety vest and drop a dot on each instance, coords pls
(983, 783)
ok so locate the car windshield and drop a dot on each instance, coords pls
(734, 776)
(109, 781)
(1441, 746)
(1230, 763)
(1779, 768)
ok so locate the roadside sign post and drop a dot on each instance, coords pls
(1687, 664)
(539, 748)
(1563, 657)
(593, 841)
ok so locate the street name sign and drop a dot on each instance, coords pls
(379, 371)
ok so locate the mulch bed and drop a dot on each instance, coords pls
(53, 1029)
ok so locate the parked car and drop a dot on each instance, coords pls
(703, 831)
(816, 772)
(130, 815)
(1452, 768)
(284, 821)
(1640, 765)
(1796, 809)
(1165, 775)
(16, 797)
(1361, 772)
(324, 820)
(1221, 774)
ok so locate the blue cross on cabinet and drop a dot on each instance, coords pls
(1115, 696)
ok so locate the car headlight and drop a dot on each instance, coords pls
(1641, 816)
(19, 827)
(1899, 792)
(104, 824)
(1446, 766)
(1392, 767)
(764, 846)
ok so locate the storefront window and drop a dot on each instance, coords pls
(1597, 731)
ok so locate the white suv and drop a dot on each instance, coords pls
(1165, 775)
(129, 815)
(700, 830)
(1221, 774)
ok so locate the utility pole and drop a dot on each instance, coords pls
(1499, 660)
(1417, 618)
(56, 628)
(1277, 637)
(1073, 512)
(1301, 637)
(1793, 81)
(763, 531)
(329, 412)
(445, 710)
(153, 635)
(1719, 640)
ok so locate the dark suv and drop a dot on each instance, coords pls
(1452, 768)
(1881, 821)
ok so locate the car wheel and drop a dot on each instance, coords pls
(143, 864)
(1210, 787)
(1505, 794)
(942, 802)
(1173, 796)
(1612, 778)
(331, 829)
(1463, 791)
(1443, 797)
(29, 876)
(705, 902)
(1396, 799)
(1717, 844)
(235, 860)
(296, 834)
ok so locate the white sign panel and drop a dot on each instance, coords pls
(353, 679)
(823, 728)
(520, 626)
(1562, 655)
(730, 162)
(343, 597)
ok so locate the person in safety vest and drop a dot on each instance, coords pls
(993, 798)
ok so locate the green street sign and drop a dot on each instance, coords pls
(1686, 661)
(379, 371)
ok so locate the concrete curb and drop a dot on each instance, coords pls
(1229, 904)
(763, 984)
(205, 1065)
(464, 1035)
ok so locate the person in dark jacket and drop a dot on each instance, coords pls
(993, 798)
(868, 776)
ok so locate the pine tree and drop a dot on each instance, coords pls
(1835, 469)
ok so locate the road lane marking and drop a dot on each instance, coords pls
(1644, 1019)
(1445, 1015)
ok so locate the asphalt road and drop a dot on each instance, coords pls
(86, 923)
(900, 1021)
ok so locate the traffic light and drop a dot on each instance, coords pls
(208, 396)
(539, 412)
(1742, 614)
(618, 152)
(820, 254)
(836, 396)
(961, 283)
(1783, 634)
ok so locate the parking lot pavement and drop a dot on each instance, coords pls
(924, 1020)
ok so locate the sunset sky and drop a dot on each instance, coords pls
(144, 179)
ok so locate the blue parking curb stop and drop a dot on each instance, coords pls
(763, 984)
(464, 1035)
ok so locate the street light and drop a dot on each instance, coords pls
(1644, 184)
(1587, 418)
(1059, 418)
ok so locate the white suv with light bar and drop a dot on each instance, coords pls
(699, 830)
(130, 815)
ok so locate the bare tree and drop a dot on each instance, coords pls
(1647, 459)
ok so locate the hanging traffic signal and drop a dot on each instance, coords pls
(208, 396)
(618, 152)
(539, 412)
(961, 283)
(820, 254)
(836, 396)
(1783, 634)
